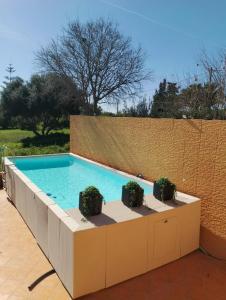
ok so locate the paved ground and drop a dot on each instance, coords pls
(194, 277)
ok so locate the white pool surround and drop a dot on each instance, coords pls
(83, 252)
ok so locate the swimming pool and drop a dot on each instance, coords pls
(81, 250)
(62, 177)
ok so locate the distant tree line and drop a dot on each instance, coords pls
(93, 63)
(197, 99)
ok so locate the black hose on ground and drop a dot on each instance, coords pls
(39, 279)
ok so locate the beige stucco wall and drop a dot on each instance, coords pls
(192, 153)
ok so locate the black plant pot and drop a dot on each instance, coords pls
(167, 193)
(132, 199)
(89, 206)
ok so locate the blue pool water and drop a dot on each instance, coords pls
(62, 177)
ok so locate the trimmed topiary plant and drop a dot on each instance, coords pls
(164, 189)
(132, 194)
(90, 202)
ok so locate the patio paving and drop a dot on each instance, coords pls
(193, 277)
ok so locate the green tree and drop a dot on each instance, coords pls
(165, 101)
(14, 101)
(140, 109)
(41, 105)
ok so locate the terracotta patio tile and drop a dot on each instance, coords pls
(13, 297)
(4, 296)
(193, 277)
(8, 286)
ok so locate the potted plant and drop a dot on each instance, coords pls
(2, 154)
(132, 194)
(164, 189)
(90, 202)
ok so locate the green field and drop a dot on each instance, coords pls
(23, 142)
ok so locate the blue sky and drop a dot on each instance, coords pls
(172, 33)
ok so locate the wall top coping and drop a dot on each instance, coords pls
(117, 212)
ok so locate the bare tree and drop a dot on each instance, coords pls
(215, 70)
(215, 67)
(100, 60)
(202, 94)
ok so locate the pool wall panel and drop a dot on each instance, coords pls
(43, 203)
(21, 198)
(89, 261)
(163, 239)
(66, 253)
(10, 182)
(55, 217)
(31, 206)
(189, 217)
(126, 248)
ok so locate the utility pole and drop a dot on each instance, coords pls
(10, 70)
(210, 70)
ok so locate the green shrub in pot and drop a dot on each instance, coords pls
(132, 194)
(164, 189)
(90, 202)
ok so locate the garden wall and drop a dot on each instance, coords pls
(192, 153)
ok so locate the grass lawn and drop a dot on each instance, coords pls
(23, 142)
